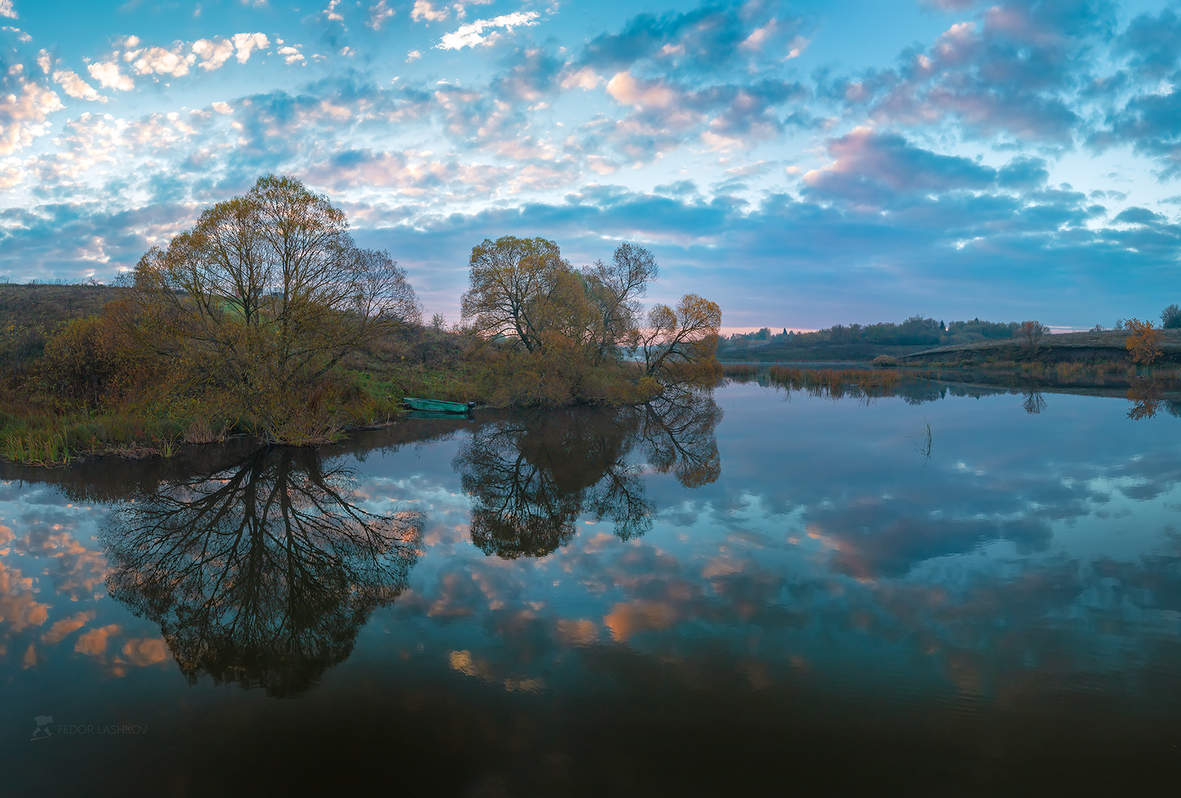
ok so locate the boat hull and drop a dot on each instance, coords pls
(436, 405)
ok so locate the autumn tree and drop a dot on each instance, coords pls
(1030, 333)
(615, 288)
(1143, 341)
(265, 295)
(522, 288)
(509, 280)
(577, 326)
(679, 336)
(1170, 317)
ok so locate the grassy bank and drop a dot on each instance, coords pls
(830, 383)
(74, 387)
(1101, 347)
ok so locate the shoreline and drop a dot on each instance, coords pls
(854, 376)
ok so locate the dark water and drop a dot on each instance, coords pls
(774, 593)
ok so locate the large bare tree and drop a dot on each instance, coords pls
(510, 278)
(268, 292)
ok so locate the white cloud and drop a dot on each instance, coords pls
(473, 34)
(45, 61)
(213, 53)
(159, 61)
(246, 43)
(460, 8)
(413, 55)
(24, 115)
(628, 91)
(21, 36)
(222, 107)
(331, 14)
(11, 175)
(584, 78)
(291, 55)
(6, 9)
(73, 85)
(758, 37)
(424, 11)
(109, 77)
(379, 14)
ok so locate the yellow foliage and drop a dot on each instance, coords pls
(1143, 344)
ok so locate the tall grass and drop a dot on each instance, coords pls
(831, 383)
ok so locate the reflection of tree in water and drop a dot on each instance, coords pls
(1034, 402)
(1145, 397)
(531, 477)
(677, 431)
(261, 574)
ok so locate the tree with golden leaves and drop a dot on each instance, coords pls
(265, 295)
(509, 280)
(1143, 342)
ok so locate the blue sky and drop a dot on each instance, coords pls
(803, 164)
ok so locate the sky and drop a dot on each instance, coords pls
(802, 164)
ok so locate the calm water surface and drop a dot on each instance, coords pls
(765, 591)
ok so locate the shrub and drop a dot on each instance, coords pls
(1143, 344)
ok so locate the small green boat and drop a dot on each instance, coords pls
(437, 405)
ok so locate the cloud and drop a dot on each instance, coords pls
(213, 53)
(246, 43)
(379, 14)
(145, 651)
(6, 9)
(1150, 123)
(331, 14)
(65, 627)
(473, 34)
(584, 78)
(698, 41)
(75, 86)
(94, 642)
(1151, 43)
(1014, 73)
(425, 11)
(291, 55)
(159, 61)
(877, 167)
(1139, 216)
(109, 77)
(650, 94)
(23, 114)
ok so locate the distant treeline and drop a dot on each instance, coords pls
(855, 340)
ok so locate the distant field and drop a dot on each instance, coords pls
(1063, 347)
(48, 305)
(30, 314)
(777, 352)
(1078, 347)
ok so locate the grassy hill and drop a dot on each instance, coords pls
(29, 314)
(1080, 347)
(52, 304)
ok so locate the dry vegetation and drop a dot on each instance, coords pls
(266, 320)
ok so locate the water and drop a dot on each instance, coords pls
(776, 592)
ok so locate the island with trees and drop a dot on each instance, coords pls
(266, 319)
